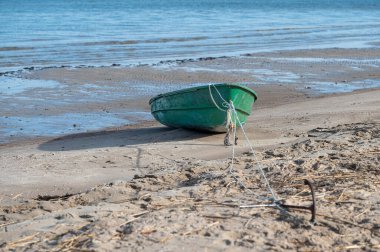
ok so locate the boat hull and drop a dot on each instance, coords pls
(202, 108)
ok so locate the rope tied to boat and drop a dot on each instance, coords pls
(274, 197)
(225, 104)
(232, 121)
(231, 124)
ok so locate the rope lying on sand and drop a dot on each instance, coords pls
(231, 122)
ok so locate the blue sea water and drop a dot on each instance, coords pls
(51, 33)
(97, 32)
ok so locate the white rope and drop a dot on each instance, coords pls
(253, 153)
(257, 206)
(225, 103)
(232, 165)
(233, 144)
(212, 98)
(235, 119)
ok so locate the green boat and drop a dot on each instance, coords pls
(204, 108)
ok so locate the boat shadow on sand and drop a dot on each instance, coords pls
(120, 138)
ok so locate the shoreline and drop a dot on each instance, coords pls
(329, 52)
(274, 91)
(270, 125)
(73, 100)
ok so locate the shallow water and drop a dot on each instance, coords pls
(94, 32)
(21, 127)
(332, 87)
(12, 86)
(38, 108)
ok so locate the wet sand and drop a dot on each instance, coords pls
(148, 187)
(65, 100)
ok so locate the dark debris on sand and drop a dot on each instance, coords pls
(199, 206)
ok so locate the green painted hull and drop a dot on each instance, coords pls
(196, 108)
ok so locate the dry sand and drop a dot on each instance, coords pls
(147, 187)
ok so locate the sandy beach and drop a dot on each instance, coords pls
(148, 187)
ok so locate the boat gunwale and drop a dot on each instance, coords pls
(208, 107)
(192, 89)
